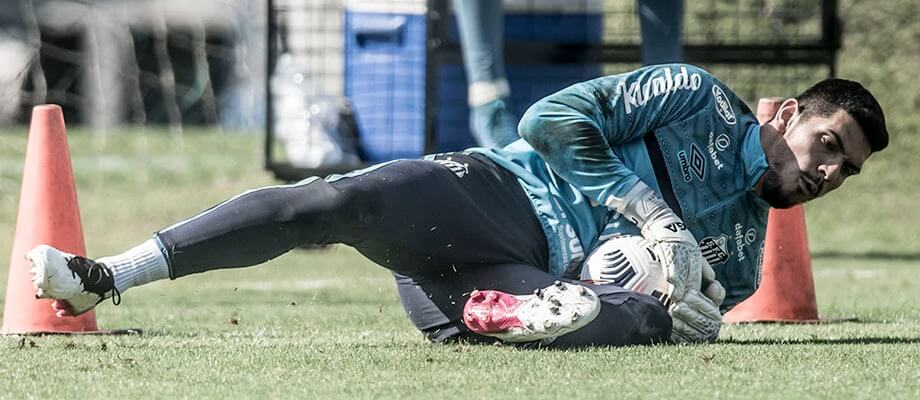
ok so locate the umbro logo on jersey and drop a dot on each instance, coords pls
(715, 249)
(695, 163)
(458, 169)
(723, 106)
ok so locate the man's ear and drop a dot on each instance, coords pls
(787, 111)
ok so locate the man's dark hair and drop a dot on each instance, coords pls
(826, 97)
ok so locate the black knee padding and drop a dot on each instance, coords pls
(653, 323)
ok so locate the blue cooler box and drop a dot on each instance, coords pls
(385, 76)
(385, 70)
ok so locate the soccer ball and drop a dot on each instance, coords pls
(629, 262)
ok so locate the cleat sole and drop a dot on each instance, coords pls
(556, 310)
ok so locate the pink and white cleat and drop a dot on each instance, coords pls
(548, 313)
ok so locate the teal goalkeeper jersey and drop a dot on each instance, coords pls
(676, 128)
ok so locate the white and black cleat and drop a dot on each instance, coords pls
(80, 283)
(548, 313)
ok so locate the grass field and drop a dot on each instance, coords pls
(320, 324)
(327, 324)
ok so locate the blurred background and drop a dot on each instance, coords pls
(176, 63)
(396, 64)
(304, 87)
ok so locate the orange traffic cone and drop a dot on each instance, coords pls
(787, 288)
(767, 108)
(48, 214)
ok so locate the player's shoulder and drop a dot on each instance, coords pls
(701, 95)
(678, 90)
(725, 102)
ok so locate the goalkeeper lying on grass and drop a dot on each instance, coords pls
(665, 152)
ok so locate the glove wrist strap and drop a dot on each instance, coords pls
(642, 206)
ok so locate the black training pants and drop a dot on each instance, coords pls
(445, 226)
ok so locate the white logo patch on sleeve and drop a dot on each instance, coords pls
(723, 106)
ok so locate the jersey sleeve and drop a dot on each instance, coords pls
(574, 129)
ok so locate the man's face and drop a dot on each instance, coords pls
(816, 155)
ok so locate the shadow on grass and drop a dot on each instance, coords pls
(870, 255)
(823, 341)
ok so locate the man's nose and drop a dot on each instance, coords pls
(830, 172)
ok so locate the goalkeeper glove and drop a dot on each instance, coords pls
(696, 318)
(711, 287)
(675, 246)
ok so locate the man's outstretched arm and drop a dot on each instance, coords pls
(574, 130)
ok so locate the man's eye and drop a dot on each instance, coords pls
(828, 142)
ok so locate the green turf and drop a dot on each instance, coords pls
(326, 324)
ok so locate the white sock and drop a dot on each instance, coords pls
(484, 92)
(143, 264)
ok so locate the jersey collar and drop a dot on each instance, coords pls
(753, 158)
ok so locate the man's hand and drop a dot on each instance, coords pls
(711, 287)
(678, 253)
(696, 318)
(675, 246)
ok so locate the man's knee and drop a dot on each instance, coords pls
(652, 321)
(636, 318)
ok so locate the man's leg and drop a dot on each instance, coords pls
(481, 25)
(411, 216)
(435, 306)
(661, 25)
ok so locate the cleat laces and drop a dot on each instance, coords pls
(96, 278)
